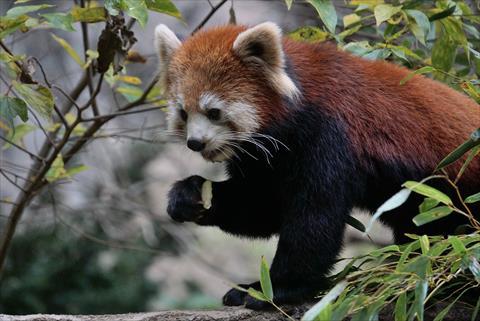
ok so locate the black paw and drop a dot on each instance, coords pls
(185, 200)
(235, 297)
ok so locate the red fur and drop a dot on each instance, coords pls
(417, 123)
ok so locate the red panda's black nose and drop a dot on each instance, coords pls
(195, 145)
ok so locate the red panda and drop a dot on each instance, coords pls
(307, 133)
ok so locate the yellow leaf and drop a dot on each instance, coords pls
(350, 19)
(130, 80)
(69, 49)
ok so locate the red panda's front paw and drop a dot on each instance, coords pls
(185, 200)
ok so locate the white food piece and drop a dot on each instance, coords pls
(207, 194)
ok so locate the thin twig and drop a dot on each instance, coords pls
(22, 149)
(11, 181)
(90, 72)
(157, 108)
(209, 15)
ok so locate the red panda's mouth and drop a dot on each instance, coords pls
(219, 154)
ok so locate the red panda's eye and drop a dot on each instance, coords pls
(213, 114)
(183, 114)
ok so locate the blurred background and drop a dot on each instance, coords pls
(102, 242)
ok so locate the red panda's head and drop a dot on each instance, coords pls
(223, 84)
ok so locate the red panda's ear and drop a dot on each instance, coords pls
(262, 45)
(166, 43)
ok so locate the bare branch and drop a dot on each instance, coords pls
(144, 110)
(11, 181)
(209, 15)
(90, 71)
(22, 149)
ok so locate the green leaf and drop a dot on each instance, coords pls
(350, 19)
(393, 202)
(309, 34)
(11, 107)
(21, 10)
(457, 245)
(401, 307)
(474, 267)
(383, 12)
(475, 311)
(461, 150)
(421, 27)
(135, 8)
(138, 10)
(131, 93)
(443, 14)
(76, 169)
(317, 309)
(356, 224)
(18, 133)
(473, 198)
(57, 170)
(265, 281)
(69, 49)
(60, 20)
(10, 25)
(327, 13)
(38, 97)
(164, 6)
(443, 52)
(359, 48)
(432, 215)
(289, 4)
(419, 71)
(427, 204)
(420, 294)
(428, 191)
(89, 15)
(424, 244)
(257, 294)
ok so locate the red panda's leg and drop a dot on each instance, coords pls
(238, 207)
(308, 246)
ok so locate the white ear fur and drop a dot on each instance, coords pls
(166, 43)
(262, 44)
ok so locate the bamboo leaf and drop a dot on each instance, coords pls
(473, 198)
(317, 309)
(461, 150)
(423, 70)
(257, 294)
(420, 294)
(428, 191)
(265, 281)
(427, 204)
(401, 307)
(432, 215)
(393, 202)
(356, 224)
